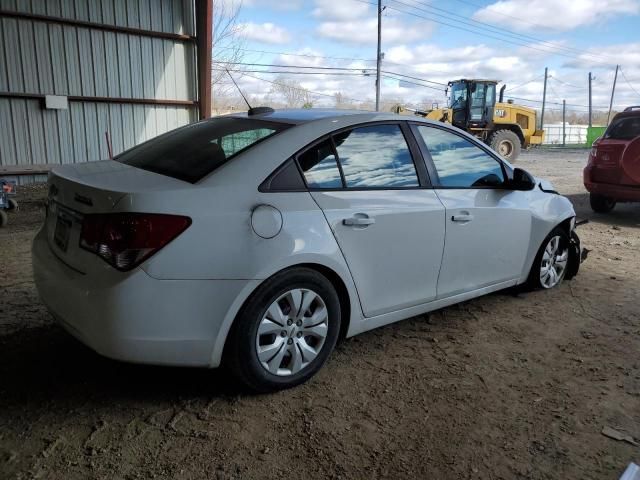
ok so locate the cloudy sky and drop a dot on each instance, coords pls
(428, 42)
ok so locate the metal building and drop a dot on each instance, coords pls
(83, 79)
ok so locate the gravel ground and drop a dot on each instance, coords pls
(502, 387)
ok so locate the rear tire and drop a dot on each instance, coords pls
(13, 205)
(4, 218)
(506, 143)
(285, 331)
(551, 262)
(600, 203)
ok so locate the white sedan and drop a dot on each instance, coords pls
(257, 240)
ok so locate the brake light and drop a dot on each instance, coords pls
(125, 240)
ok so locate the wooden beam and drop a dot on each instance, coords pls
(17, 170)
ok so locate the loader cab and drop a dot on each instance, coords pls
(472, 103)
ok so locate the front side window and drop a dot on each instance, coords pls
(190, 153)
(458, 162)
(376, 156)
(320, 167)
(626, 128)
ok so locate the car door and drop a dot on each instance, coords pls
(387, 220)
(488, 226)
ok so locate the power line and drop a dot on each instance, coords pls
(502, 14)
(289, 72)
(565, 83)
(553, 90)
(307, 55)
(410, 82)
(492, 28)
(555, 103)
(363, 71)
(523, 84)
(482, 33)
(628, 83)
(249, 64)
(302, 89)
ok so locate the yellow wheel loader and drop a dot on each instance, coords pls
(505, 127)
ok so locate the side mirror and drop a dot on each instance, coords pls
(522, 180)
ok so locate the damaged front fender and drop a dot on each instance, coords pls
(577, 255)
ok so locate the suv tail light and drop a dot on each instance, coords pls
(125, 240)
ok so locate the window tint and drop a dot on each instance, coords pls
(460, 163)
(192, 152)
(320, 167)
(625, 128)
(376, 156)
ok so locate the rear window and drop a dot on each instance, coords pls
(625, 128)
(190, 153)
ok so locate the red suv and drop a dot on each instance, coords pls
(613, 172)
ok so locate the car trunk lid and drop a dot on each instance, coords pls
(93, 187)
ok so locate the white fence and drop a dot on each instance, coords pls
(574, 134)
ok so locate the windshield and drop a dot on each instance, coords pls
(458, 95)
(190, 153)
(625, 128)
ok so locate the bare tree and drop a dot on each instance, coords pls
(227, 50)
(341, 101)
(293, 94)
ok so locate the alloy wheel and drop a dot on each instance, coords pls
(292, 332)
(554, 262)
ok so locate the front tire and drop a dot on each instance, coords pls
(285, 331)
(506, 143)
(550, 265)
(4, 218)
(600, 203)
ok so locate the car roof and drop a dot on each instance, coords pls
(628, 113)
(298, 116)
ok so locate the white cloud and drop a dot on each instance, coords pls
(341, 9)
(264, 32)
(365, 31)
(279, 5)
(563, 15)
(306, 57)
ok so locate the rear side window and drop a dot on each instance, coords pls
(376, 156)
(626, 128)
(190, 153)
(320, 167)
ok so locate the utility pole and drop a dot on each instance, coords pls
(379, 57)
(613, 91)
(544, 97)
(564, 122)
(590, 106)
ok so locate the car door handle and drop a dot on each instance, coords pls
(359, 219)
(462, 217)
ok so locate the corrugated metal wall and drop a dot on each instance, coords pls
(39, 57)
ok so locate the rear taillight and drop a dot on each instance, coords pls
(124, 240)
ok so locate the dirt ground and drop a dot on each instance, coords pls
(503, 387)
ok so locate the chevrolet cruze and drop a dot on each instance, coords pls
(256, 240)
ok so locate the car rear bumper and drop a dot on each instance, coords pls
(132, 316)
(624, 193)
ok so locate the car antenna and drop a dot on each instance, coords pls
(252, 110)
